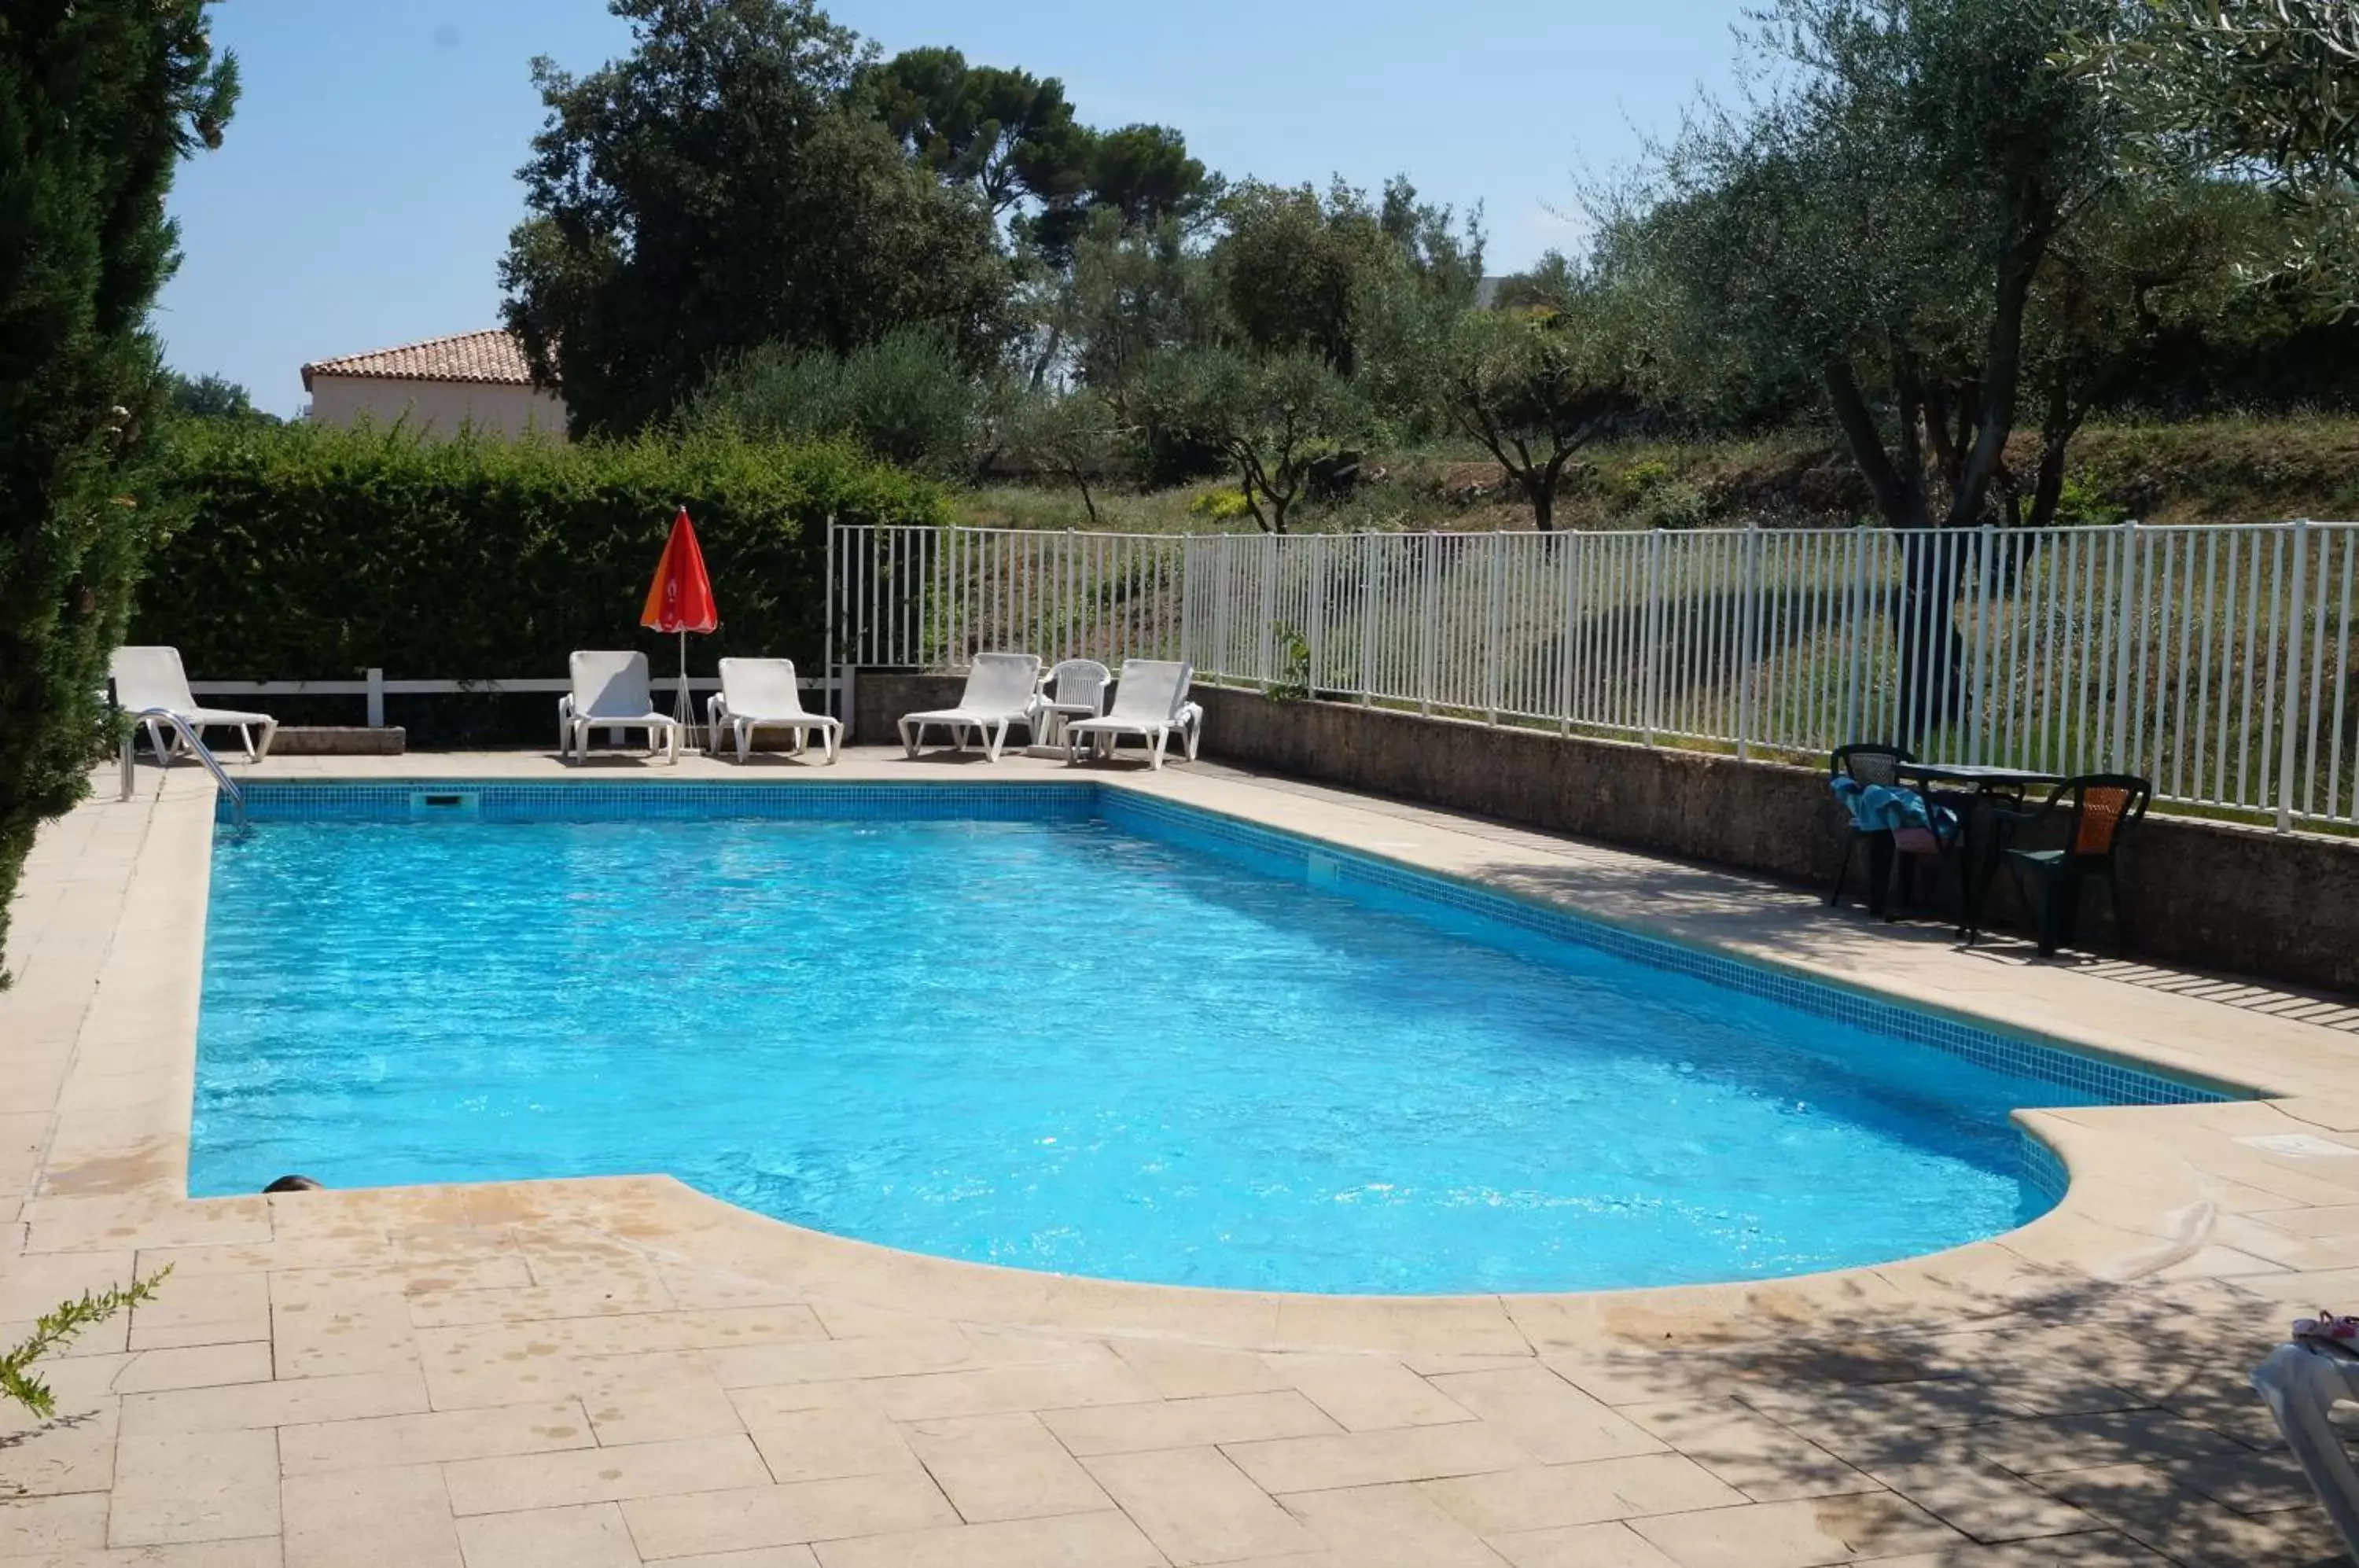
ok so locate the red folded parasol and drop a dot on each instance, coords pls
(680, 600)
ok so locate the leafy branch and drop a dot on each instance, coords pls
(61, 1327)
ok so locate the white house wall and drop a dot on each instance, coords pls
(439, 406)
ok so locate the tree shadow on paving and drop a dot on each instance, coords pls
(2087, 1422)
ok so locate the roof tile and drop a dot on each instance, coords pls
(493, 356)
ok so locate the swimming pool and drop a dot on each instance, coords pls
(1070, 1028)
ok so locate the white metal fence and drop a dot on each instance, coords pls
(2213, 660)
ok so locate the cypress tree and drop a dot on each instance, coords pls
(99, 101)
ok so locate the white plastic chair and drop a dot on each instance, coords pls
(153, 678)
(761, 694)
(1150, 705)
(1074, 689)
(611, 693)
(1000, 690)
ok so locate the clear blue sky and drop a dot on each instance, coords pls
(368, 185)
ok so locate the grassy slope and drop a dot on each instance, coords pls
(2213, 470)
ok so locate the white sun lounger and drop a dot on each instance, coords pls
(609, 692)
(761, 694)
(1000, 690)
(2301, 1384)
(1150, 705)
(152, 678)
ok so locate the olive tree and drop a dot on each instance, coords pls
(1275, 418)
(1538, 381)
(2270, 88)
(1882, 225)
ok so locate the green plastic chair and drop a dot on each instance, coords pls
(2097, 810)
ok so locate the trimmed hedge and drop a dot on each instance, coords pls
(314, 553)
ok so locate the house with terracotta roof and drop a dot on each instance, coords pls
(478, 379)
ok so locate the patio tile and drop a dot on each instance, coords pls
(2146, 1503)
(191, 1308)
(31, 1526)
(1197, 1507)
(1390, 1527)
(749, 1517)
(1802, 1534)
(590, 1535)
(321, 1331)
(1551, 1497)
(758, 1557)
(433, 1437)
(1366, 1393)
(74, 1450)
(1008, 1389)
(1614, 1545)
(1003, 1467)
(1187, 1423)
(1077, 1540)
(397, 1518)
(195, 1367)
(168, 1490)
(2082, 1442)
(832, 1360)
(1196, 1371)
(1984, 1500)
(1372, 1458)
(829, 1443)
(254, 1551)
(648, 1398)
(602, 1475)
(2101, 1549)
(1766, 1462)
(243, 1406)
(1551, 1418)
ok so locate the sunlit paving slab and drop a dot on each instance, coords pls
(636, 1363)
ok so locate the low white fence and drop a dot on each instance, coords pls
(374, 688)
(2214, 662)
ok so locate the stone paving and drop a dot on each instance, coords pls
(622, 1371)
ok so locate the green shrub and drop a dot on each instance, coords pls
(315, 554)
(904, 398)
(1219, 506)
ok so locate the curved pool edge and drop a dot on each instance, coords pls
(2131, 1209)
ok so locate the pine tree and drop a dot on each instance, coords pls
(99, 101)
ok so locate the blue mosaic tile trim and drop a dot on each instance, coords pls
(2101, 1079)
(641, 801)
(2098, 1079)
(2039, 1168)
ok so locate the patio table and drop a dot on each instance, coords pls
(1987, 787)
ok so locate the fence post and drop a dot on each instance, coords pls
(1855, 637)
(1427, 612)
(1982, 657)
(1653, 625)
(1494, 585)
(1315, 636)
(2124, 599)
(376, 699)
(2286, 746)
(1751, 639)
(827, 627)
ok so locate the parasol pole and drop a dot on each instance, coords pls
(683, 707)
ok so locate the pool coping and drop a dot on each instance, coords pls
(2135, 1205)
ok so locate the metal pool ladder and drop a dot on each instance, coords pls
(182, 728)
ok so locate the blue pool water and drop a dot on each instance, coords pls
(1133, 1051)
